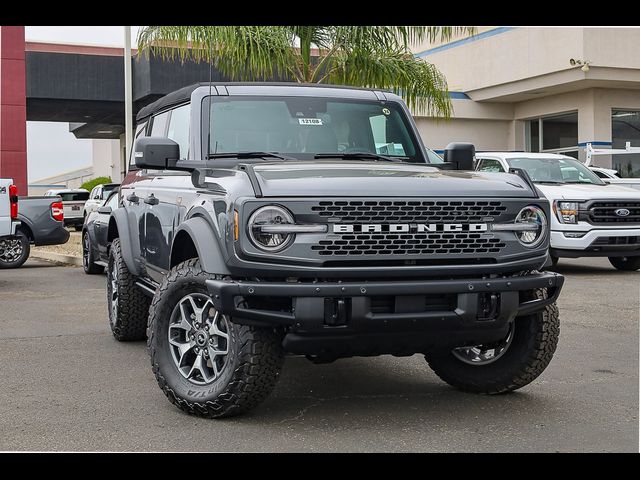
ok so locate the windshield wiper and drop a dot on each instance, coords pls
(357, 156)
(554, 182)
(244, 155)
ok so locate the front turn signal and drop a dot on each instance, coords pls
(236, 226)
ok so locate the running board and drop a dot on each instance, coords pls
(146, 288)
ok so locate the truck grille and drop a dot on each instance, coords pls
(403, 244)
(408, 211)
(604, 213)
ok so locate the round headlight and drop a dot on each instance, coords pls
(535, 218)
(270, 215)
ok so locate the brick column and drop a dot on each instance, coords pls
(13, 107)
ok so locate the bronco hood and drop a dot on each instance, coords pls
(374, 179)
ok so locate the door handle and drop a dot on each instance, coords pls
(151, 200)
(133, 198)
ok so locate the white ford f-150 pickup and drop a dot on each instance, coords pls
(591, 218)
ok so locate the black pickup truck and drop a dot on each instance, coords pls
(265, 219)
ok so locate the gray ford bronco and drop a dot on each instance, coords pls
(259, 220)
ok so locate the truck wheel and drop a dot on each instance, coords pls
(205, 364)
(507, 365)
(87, 257)
(14, 250)
(128, 306)
(629, 264)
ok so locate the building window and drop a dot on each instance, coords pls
(554, 134)
(625, 127)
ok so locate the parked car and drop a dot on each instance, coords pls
(98, 195)
(37, 221)
(590, 218)
(95, 252)
(609, 175)
(73, 201)
(263, 219)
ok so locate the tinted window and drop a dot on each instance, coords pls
(490, 165)
(600, 174)
(179, 129)
(305, 126)
(74, 197)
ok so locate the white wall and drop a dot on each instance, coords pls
(106, 159)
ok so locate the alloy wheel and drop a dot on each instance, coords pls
(484, 354)
(199, 339)
(10, 250)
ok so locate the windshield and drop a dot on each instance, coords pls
(302, 127)
(553, 170)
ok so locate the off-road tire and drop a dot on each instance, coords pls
(627, 264)
(26, 250)
(88, 264)
(533, 345)
(253, 365)
(130, 323)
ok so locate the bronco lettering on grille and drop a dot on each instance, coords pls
(409, 227)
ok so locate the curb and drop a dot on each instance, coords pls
(58, 258)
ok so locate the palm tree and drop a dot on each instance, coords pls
(377, 57)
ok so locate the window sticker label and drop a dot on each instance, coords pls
(386, 111)
(310, 121)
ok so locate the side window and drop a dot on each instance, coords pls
(179, 129)
(490, 165)
(113, 201)
(159, 124)
(140, 129)
(600, 174)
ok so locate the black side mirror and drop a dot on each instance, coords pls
(461, 155)
(158, 153)
(105, 210)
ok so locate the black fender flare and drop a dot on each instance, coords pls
(206, 242)
(130, 244)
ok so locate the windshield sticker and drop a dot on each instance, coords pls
(310, 121)
(386, 111)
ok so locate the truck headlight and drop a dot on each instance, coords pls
(534, 226)
(567, 212)
(269, 216)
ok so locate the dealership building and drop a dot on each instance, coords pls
(512, 88)
(541, 90)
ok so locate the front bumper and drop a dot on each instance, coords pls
(323, 313)
(590, 246)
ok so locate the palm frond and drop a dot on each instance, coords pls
(420, 83)
(247, 52)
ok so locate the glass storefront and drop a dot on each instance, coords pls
(553, 134)
(625, 127)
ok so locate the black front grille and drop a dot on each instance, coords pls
(604, 213)
(616, 241)
(409, 211)
(409, 244)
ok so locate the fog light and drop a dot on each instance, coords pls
(574, 234)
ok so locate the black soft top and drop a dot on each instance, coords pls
(174, 98)
(184, 94)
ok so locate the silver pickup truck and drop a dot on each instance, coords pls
(26, 221)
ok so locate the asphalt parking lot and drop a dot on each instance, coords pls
(68, 385)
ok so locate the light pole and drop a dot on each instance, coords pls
(128, 107)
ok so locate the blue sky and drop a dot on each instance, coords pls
(51, 148)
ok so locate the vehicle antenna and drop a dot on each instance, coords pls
(209, 103)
